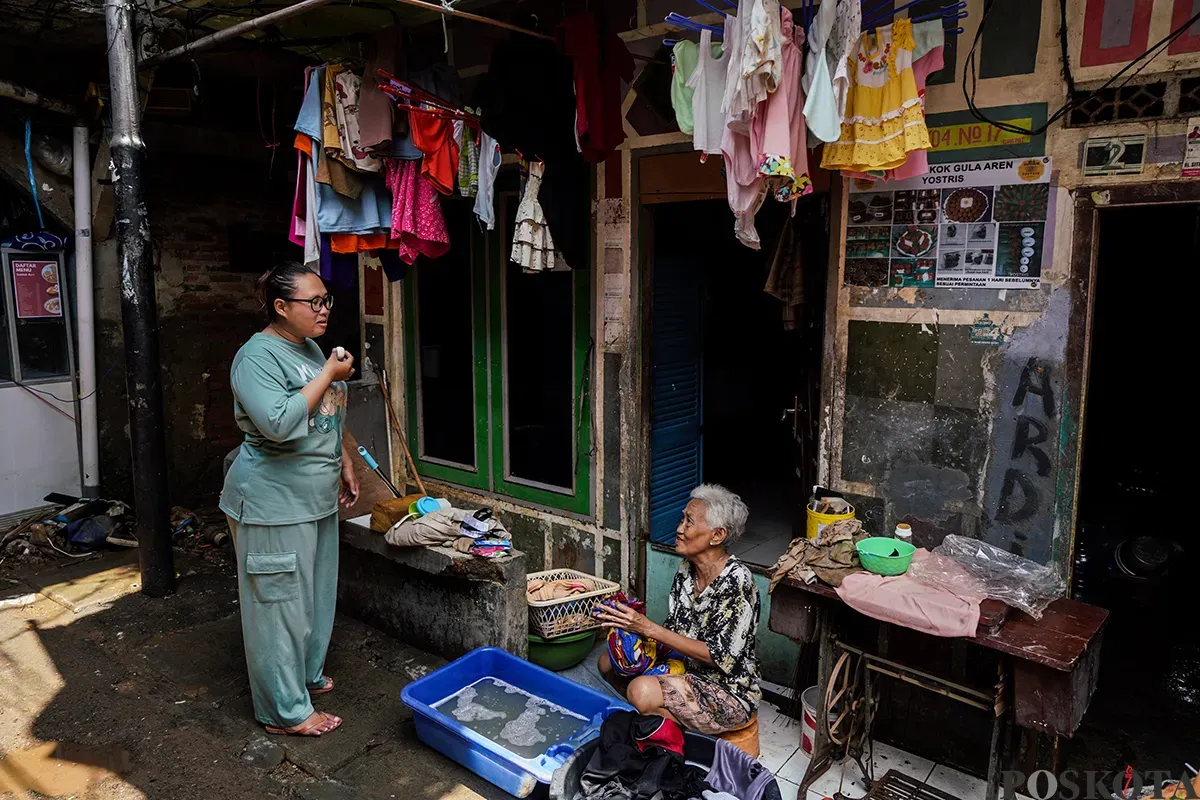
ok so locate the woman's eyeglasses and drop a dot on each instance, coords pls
(314, 303)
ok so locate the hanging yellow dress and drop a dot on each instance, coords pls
(884, 119)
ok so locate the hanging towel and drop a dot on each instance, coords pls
(312, 233)
(489, 165)
(468, 160)
(786, 279)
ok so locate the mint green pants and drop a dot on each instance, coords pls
(287, 585)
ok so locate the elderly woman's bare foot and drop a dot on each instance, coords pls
(317, 723)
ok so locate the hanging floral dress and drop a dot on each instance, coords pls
(884, 119)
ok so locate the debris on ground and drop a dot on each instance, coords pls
(202, 531)
(66, 531)
(90, 526)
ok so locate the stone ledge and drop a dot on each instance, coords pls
(357, 533)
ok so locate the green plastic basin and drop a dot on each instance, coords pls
(876, 555)
(562, 652)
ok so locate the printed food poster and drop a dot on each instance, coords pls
(1191, 151)
(36, 288)
(977, 224)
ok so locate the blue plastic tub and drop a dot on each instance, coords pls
(516, 775)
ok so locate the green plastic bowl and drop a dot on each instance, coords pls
(876, 555)
(561, 652)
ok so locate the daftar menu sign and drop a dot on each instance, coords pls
(975, 224)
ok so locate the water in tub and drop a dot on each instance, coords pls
(516, 720)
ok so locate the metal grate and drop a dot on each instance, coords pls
(1142, 101)
(1189, 95)
(898, 786)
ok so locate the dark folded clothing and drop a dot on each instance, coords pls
(630, 764)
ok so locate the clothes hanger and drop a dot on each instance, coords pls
(712, 8)
(412, 98)
(954, 11)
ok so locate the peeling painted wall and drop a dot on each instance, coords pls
(954, 436)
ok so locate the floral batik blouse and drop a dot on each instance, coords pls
(724, 617)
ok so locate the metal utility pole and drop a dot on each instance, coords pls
(139, 313)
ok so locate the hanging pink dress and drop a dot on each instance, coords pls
(778, 133)
(417, 221)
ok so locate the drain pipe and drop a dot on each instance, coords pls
(85, 314)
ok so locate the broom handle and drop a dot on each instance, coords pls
(387, 400)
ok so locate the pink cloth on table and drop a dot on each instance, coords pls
(903, 600)
(417, 221)
(918, 160)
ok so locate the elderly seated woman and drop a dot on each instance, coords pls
(712, 621)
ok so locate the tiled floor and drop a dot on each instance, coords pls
(779, 739)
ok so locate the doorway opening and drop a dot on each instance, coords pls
(734, 370)
(1133, 542)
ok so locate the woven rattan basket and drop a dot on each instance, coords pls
(552, 618)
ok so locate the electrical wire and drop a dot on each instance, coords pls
(969, 72)
(53, 396)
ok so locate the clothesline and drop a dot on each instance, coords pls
(376, 154)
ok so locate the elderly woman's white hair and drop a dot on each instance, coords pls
(722, 509)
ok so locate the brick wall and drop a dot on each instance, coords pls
(216, 225)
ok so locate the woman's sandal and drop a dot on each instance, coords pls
(317, 724)
(326, 687)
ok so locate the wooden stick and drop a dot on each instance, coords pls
(387, 400)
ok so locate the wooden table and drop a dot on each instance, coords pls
(1053, 664)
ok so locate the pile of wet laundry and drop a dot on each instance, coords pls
(642, 757)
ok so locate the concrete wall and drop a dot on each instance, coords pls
(961, 457)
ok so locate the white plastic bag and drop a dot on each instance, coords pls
(1011, 579)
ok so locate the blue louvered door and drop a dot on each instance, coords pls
(676, 404)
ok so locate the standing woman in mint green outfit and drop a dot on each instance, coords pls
(281, 496)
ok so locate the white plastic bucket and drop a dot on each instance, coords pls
(808, 722)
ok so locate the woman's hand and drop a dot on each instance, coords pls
(339, 369)
(349, 492)
(625, 617)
